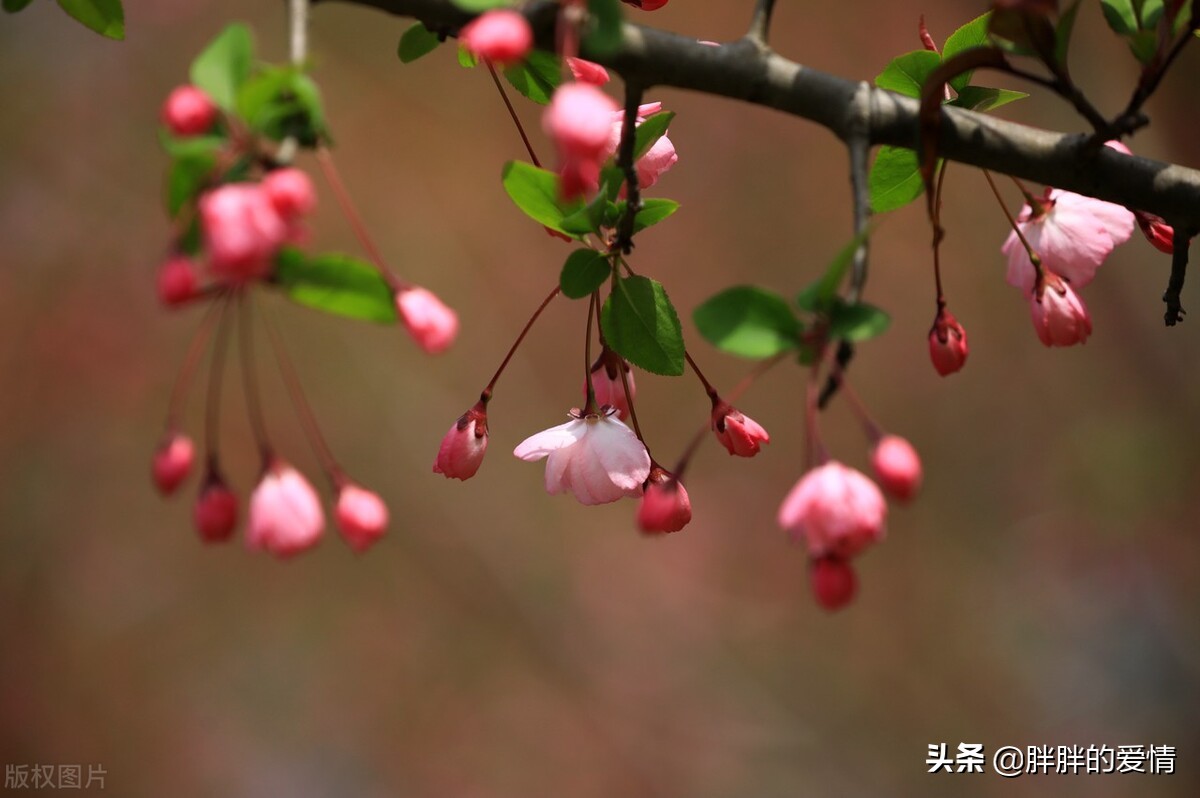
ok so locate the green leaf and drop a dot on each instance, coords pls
(106, 17)
(186, 177)
(978, 98)
(820, 296)
(1120, 16)
(13, 6)
(466, 58)
(224, 65)
(857, 322)
(604, 37)
(973, 34)
(336, 284)
(535, 191)
(650, 131)
(191, 146)
(641, 325)
(748, 321)
(1063, 31)
(481, 5)
(895, 179)
(906, 74)
(537, 77)
(653, 211)
(1144, 45)
(416, 42)
(1150, 13)
(584, 272)
(280, 102)
(592, 217)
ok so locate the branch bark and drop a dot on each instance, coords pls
(743, 70)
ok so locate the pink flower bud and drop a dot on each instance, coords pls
(737, 432)
(665, 506)
(834, 583)
(659, 158)
(587, 72)
(606, 382)
(947, 344)
(579, 121)
(216, 510)
(361, 516)
(1156, 230)
(242, 231)
(177, 281)
(188, 111)
(502, 36)
(897, 467)
(428, 320)
(285, 513)
(646, 5)
(290, 191)
(462, 450)
(1059, 315)
(173, 462)
(835, 510)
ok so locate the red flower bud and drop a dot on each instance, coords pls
(173, 462)
(947, 344)
(737, 432)
(664, 506)
(216, 510)
(834, 583)
(361, 516)
(897, 467)
(463, 447)
(176, 281)
(188, 111)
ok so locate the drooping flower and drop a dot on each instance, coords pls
(1059, 315)
(173, 462)
(588, 72)
(593, 456)
(502, 36)
(361, 516)
(834, 582)
(737, 432)
(1071, 233)
(835, 510)
(665, 505)
(579, 122)
(430, 322)
(463, 447)
(290, 191)
(188, 111)
(897, 467)
(177, 281)
(216, 510)
(242, 231)
(947, 343)
(285, 514)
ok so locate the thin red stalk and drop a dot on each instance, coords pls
(874, 432)
(250, 379)
(590, 405)
(216, 369)
(1033, 256)
(937, 238)
(487, 392)
(711, 391)
(191, 361)
(329, 169)
(512, 112)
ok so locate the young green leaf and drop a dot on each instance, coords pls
(537, 77)
(906, 74)
(186, 177)
(223, 66)
(895, 179)
(650, 131)
(653, 211)
(978, 98)
(466, 58)
(535, 191)
(641, 325)
(584, 272)
(280, 102)
(13, 6)
(820, 296)
(857, 322)
(106, 17)
(416, 42)
(1063, 31)
(748, 321)
(973, 34)
(335, 283)
(604, 36)
(481, 5)
(1120, 16)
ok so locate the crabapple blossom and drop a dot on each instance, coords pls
(587, 72)
(836, 510)
(897, 467)
(947, 344)
(501, 36)
(285, 514)
(1059, 315)
(430, 322)
(579, 121)
(463, 447)
(834, 582)
(177, 281)
(216, 511)
(665, 506)
(608, 386)
(242, 231)
(188, 111)
(290, 191)
(173, 462)
(737, 432)
(361, 516)
(594, 456)
(658, 159)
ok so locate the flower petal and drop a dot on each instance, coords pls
(535, 447)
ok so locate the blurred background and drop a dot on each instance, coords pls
(499, 642)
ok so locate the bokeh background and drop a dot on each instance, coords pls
(500, 642)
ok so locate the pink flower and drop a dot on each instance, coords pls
(596, 457)
(737, 432)
(176, 281)
(665, 506)
(290, 191)
(462, 450)
(430, 322)
(188, 111)
(606, 382)
(833, 583)
(587, 72)
(836, 510)
(242, 231)
(947, 344)
(285, 514)
(216, 511)
(1071, 233)
(173, 462)
(361, 516)
(502, 36)
(646, 5)
(658, 159)
(1059, 315)
(579, 122)
(897, 466)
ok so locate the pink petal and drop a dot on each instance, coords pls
(535, 447)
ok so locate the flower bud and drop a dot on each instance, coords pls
(188, 111)
(428, 320)
(216, 511)
(664, 506)
(290, 191)
(1156, 230)
(737, 432)
(462, 450)
(361, 516)
(897, 467)
(176, 281)
(835, 510)
(587, 72)
(579, 121)
(242, 231)
(608, 385)
(834, 582)
(285, 513)
(646, 5)
(173, 462)
(947, 344)
(1059, 315)
(501, 36)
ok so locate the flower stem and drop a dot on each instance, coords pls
(258, 424)
(512, 112)
(191, 361)
(711, 391)
(216, 369)
(1033, 256)
(589, 407)
(486, 394)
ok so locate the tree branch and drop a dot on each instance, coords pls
(744, 71)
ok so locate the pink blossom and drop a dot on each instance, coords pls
(501, 36)
(658, 159)
(463, 447)
(737, 432)
(579, 122)
(173, 462)
(595, 457)
(587, 72)
(646, 5)
(285, 514)
(834, 582)
(1059, 315)
(188, 111)
(947, 344)
(242, 231)
(665, 506)
(290, 191)
(606, 382)
(836, 511)
(1071, 233)
(897, 467)
(430, 322)
(361, 516)
(177, 281)
(216, 511)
